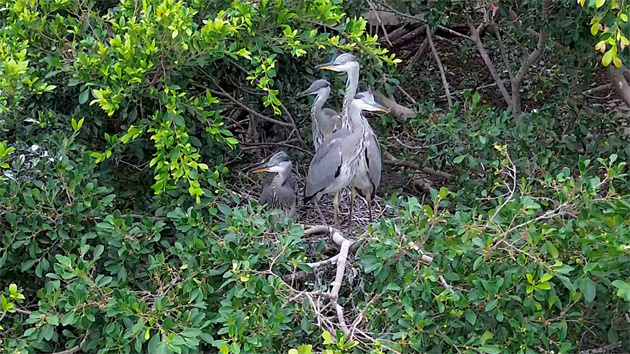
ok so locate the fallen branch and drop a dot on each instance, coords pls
(441, 67)
(397, 111)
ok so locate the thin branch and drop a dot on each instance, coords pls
(503, 52)
(378, 18)
(439, 64)
(297, 131)
(257, 145)
(391, 160)
(222, 93)
(406, 94)
(486, 58)
(76, 348)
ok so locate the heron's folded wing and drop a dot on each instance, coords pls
(329, 121)
(326, 164)
(373, 152)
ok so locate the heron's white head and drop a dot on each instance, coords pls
(345, 62)
(317, 87)
(278, 163)
(364, 101)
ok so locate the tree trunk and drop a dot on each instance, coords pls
(620, 83)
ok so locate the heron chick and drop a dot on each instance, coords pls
(279, 185)
(335, 164)
(325, 120)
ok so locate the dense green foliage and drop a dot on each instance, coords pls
(121, 230)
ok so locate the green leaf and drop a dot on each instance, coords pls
(327, 337)
(13, 289)
(84, 96)
(590, 290)
(599, 3)
(486, 336)
(471, 317)
(393, 286)
(491, 305)
(552, 250)
(491, 349)
(443, 192)
(459, 159)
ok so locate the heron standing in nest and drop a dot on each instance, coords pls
(335, 164)
(325, 120)
(368, 177)
(279, 185)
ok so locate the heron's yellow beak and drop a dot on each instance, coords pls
(264, 169)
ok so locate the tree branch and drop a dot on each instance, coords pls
(517, 82)
(378, 18)
(486, 58)
(76, 348)
(439, 64)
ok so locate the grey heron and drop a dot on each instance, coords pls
(325, 120)
(368, 176)
(335, 164)
(279, 185)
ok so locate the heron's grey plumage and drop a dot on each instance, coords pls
(336, 163)
(325, 120)
(368, 175)
(280, 186)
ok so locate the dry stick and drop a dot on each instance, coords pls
(439, 64)
(486, 58)
(418, 54)
(297, 131)
(378, 18)
(503, 53)
(250, 146)
(391, 160)
(406, 94)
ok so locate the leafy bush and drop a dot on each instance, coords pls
(121, 231)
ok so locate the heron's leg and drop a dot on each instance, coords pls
(352, 195)
(336, 204)
(369, 205)
(319, 211)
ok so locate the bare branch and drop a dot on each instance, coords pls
(391, 160)
(486, 58)
(439, 64)
(378, 18)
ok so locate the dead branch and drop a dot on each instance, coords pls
(391, 160)
(249, 146)
(418, 53)
(486, 58)
(439, 64)
(290, 117)
(397, 111)
(406, 94)
(378, 18)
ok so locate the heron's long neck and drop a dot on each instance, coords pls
(355, 121)
(352, 83)
(282, 176)
(320, 100)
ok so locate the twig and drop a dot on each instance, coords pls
(250, 146)
(76, 348)
(297, 131)
(406, 94)
(439, 63)
(391, 160)
(378, 18)
(503, 52)
(418, 54)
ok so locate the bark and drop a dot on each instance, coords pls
(620, 83)
(517, 82)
